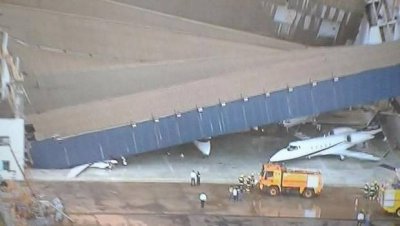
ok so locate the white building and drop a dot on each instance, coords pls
(12, 138)
(381, 22)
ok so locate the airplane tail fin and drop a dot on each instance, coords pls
(373, 126)
(374, 122)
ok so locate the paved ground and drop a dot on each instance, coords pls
(221, 220)
(94, 203)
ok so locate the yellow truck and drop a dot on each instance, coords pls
(389, 199)
(276, 179)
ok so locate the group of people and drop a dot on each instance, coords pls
(371, 190)
(195, 181)
(247, 182)
(194, 178)
(235, 193)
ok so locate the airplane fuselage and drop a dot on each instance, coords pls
(327, 145)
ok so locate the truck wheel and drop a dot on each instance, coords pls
(308, 193)
(398, 212)
(273, 191)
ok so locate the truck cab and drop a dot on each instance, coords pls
(271, 175)
(389, 197)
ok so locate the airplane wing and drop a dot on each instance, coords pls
(76, 171)
(342, 150)
(100, 165)
(301, 136)
(359, 155)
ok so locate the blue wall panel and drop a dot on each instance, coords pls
(168, 132)
(323, 96)
(189, 126)
(277, 106)
(211, 121)
(49, 154)
(255, 111)
(235, 116)
(83, 148)
(300, 101)
(144, 136)
(115, 142)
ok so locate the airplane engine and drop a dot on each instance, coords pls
(358, 137)
(341, 130)
(204, 146)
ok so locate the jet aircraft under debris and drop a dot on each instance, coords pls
(337, 142)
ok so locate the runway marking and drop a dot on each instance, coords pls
(168, 164)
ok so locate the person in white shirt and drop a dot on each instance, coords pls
(235, 194)
(203, 199)
(360, 218)
(193, 178)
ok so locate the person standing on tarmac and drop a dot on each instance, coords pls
(192, 178)
(235, 193)
(198, 178)
(253, 180)
(360, 218)
(230, 192)
(203, 199)
(240, 193)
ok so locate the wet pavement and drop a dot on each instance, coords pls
(142, 220)
(96, 198)
(95, 203)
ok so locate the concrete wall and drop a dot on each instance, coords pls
(14, 129)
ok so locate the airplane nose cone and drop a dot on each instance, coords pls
(272, 159)
(279, 156)
(275, 158)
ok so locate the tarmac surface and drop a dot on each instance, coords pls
(94, 203)
(154, 188)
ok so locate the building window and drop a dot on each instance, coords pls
(6, 165)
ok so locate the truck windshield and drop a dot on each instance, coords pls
(269, 174)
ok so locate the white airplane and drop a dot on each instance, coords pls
(337, 142)
(77, 170)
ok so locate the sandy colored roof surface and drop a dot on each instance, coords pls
(96, 64)
(293, 69)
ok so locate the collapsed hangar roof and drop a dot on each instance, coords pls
(91, 65)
